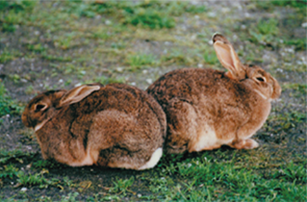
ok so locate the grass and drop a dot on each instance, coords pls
(138, 60)
(299, 44)
(7, 105)
(145, 14)
(150, 18)
(53, 58)
(8, 55)
(300, 89)
(269, 31)
(177, 57)
(107, 80)
(210, 57)
(285, 122)
(28, 180)
(70, 197)
(121, 186)
(195, 179)
(211, 176)
(36, 48)
(202, 178)
(9, 171)
(14, 12)
(265, 31)
(268, 5)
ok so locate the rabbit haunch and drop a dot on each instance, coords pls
(206, 108)
(114, 125)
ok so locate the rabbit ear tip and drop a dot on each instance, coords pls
(216, 37)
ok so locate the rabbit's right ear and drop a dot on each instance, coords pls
(77, 94)
(228, 57)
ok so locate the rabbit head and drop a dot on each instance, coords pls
(41, 108)
(44, 106)
(261, 81)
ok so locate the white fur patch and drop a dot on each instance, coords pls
(207, 140)
(155, 157)
(263, 96)
(87, 161)
(39, 126)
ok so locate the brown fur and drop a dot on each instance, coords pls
(120, 125)
(202, 102)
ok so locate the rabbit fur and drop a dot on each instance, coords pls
(207, 108)
(114, 126)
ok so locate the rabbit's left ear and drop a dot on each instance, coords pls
(77, 94)
(228, 57)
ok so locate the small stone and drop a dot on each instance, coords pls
(24, 189)
(193, 37)
(211, 14)
(149, 81)
(119, 69)
(225, 10)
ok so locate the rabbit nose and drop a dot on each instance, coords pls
(26, 120)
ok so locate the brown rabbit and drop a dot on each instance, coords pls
(114, 125)
(206, 108)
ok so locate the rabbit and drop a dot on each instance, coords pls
(207, 108)
(115, 125)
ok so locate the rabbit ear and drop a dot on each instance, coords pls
(77, 94)
(41, 106)
(276, 89)
(228, 57)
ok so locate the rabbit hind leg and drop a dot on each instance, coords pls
(245, 144)
(182, 126)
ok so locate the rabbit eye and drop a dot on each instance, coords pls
(260, 79)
